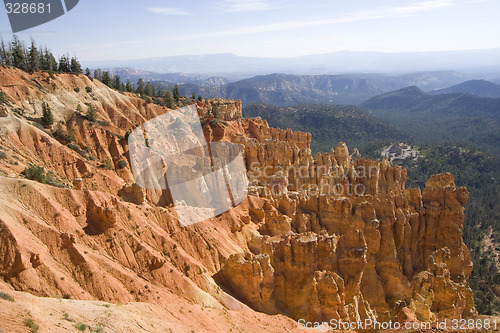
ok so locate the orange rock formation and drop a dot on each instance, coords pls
(317, 238)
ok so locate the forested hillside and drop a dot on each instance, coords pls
(461, 118)
(330, 124)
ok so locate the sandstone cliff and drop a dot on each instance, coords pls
(317, 237)
(346, 239)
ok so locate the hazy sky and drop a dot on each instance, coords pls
(126, 29)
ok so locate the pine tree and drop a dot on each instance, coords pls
(48, 62)
(160, 92)
(18, 53)
(88, 73)
(33, 58)
(44, 64)
(140, 87)
(193, 96)
(176, 93)
(64, 64)
(169, 100)
(5, 57)
(116, 82)
(47, 116)
(129, 87)
(215, 111)
(200, 98)
(98, 74)
(106, 79)
(76, 68)
(149, 90)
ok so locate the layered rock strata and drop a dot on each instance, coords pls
(346, 239)
(317, 238)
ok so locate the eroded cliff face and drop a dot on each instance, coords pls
(346, 239)
(98, 235)
(317, 238)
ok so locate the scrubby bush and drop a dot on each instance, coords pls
(28, 322)
(51, 179)
(109, 164)
(122, 164)
(79, 150)
(38, 173)
(60, 134)
(6, 297)
(91, 114)
(103, 123)
(80, 327)
(35, 172)
(88, 89)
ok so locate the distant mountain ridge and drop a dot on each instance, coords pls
(481, 88)
(290, 89)
(330, 63)
(127, 73)
(287, 89)
(413, 99)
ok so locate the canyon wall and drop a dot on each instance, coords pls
(317, 238)
(342, 239)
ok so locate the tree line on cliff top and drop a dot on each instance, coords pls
(35, 58)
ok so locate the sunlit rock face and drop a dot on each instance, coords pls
(318, 237)
(346, 239)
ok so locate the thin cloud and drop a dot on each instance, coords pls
(394, 12)
(386, 13)
(238, 6)
(167, 11)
